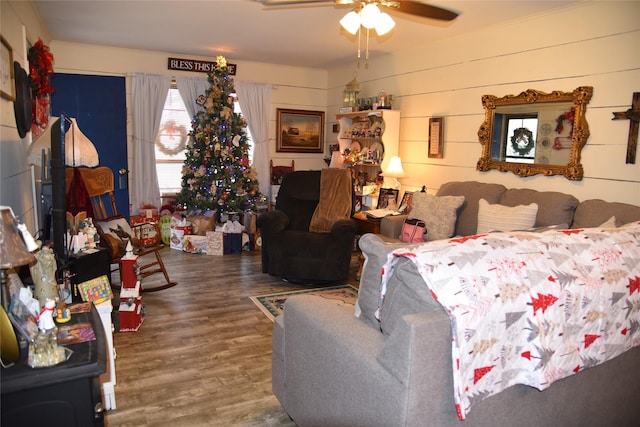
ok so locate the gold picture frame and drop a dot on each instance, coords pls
(299, 131)
(7, 78)
(436, 137)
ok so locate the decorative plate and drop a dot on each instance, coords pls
(355, 146)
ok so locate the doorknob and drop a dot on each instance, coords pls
(122, 179)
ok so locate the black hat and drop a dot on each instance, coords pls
(22, 105)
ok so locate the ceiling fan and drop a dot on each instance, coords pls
(367, 13)
(410, 7)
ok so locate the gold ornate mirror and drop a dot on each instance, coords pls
(535, 132)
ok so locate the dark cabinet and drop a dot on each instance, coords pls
(68, 394)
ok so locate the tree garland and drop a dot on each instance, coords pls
(519, 135)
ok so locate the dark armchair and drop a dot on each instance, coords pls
(290, 250)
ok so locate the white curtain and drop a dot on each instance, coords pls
(148, 95)
(190, 88)
(255, 103)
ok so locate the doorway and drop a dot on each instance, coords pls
(99, 105)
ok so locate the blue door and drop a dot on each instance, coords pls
(98, 103)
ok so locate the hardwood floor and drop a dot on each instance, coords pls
(202, 356)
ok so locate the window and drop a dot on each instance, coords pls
(175, 125)
(520, 145)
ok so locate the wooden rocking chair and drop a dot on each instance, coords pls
(114, 229)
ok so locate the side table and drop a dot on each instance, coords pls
(365, 225)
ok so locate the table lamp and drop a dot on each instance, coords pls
(395, 171)
(16, 245)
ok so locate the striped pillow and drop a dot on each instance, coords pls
(504, 218)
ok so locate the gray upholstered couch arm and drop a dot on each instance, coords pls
(331, 362)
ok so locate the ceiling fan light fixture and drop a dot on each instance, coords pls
(384, 24)
(351, 22)
(369, 15)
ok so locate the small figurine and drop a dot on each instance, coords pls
(63, 314)
(45, 319)
(129, 250)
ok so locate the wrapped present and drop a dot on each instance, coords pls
(165, 229)
(148, 234)
(203, 223)
(232, 237)
(251, 241)
(143, 219)
(250, 221)
(179, 229)
(215, 243)
(195, 244)
(232, 243)
(149, 212)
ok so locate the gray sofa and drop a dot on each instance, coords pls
(331, 368)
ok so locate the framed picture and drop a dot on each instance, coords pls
(407, 203)
(299, 131)
(7, 82)
(388, 198)
(436, 137)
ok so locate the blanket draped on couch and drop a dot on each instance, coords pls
(531, 308)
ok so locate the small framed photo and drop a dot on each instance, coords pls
(388, 199)
(407, 203)
(7, 82)
(299, 131)
(436, 137)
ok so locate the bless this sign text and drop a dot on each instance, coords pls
(197, 66)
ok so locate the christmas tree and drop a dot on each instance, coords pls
(216, 174)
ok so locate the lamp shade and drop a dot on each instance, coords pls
(78, 149)
(13, 250)
(351, 22)
(394, 170)
(369, 15)
(384, 24)
(41, 142)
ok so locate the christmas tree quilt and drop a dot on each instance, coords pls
(531, 308)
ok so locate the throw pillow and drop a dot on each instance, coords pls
(115, 233)
(610, 223)
(563, 226)
(504, 218)
(439, 213)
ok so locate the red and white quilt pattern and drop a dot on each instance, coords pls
(531, 308)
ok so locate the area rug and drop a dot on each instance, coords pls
(273, 304)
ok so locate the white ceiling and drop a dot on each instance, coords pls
(245, 30)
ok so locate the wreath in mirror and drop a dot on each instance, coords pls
(522, 141)
(172, 139)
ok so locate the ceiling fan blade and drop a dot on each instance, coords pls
(296, 2)
(425, 10)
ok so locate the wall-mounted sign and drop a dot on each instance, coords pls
(197, 66)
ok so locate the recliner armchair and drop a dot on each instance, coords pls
(290, 250)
